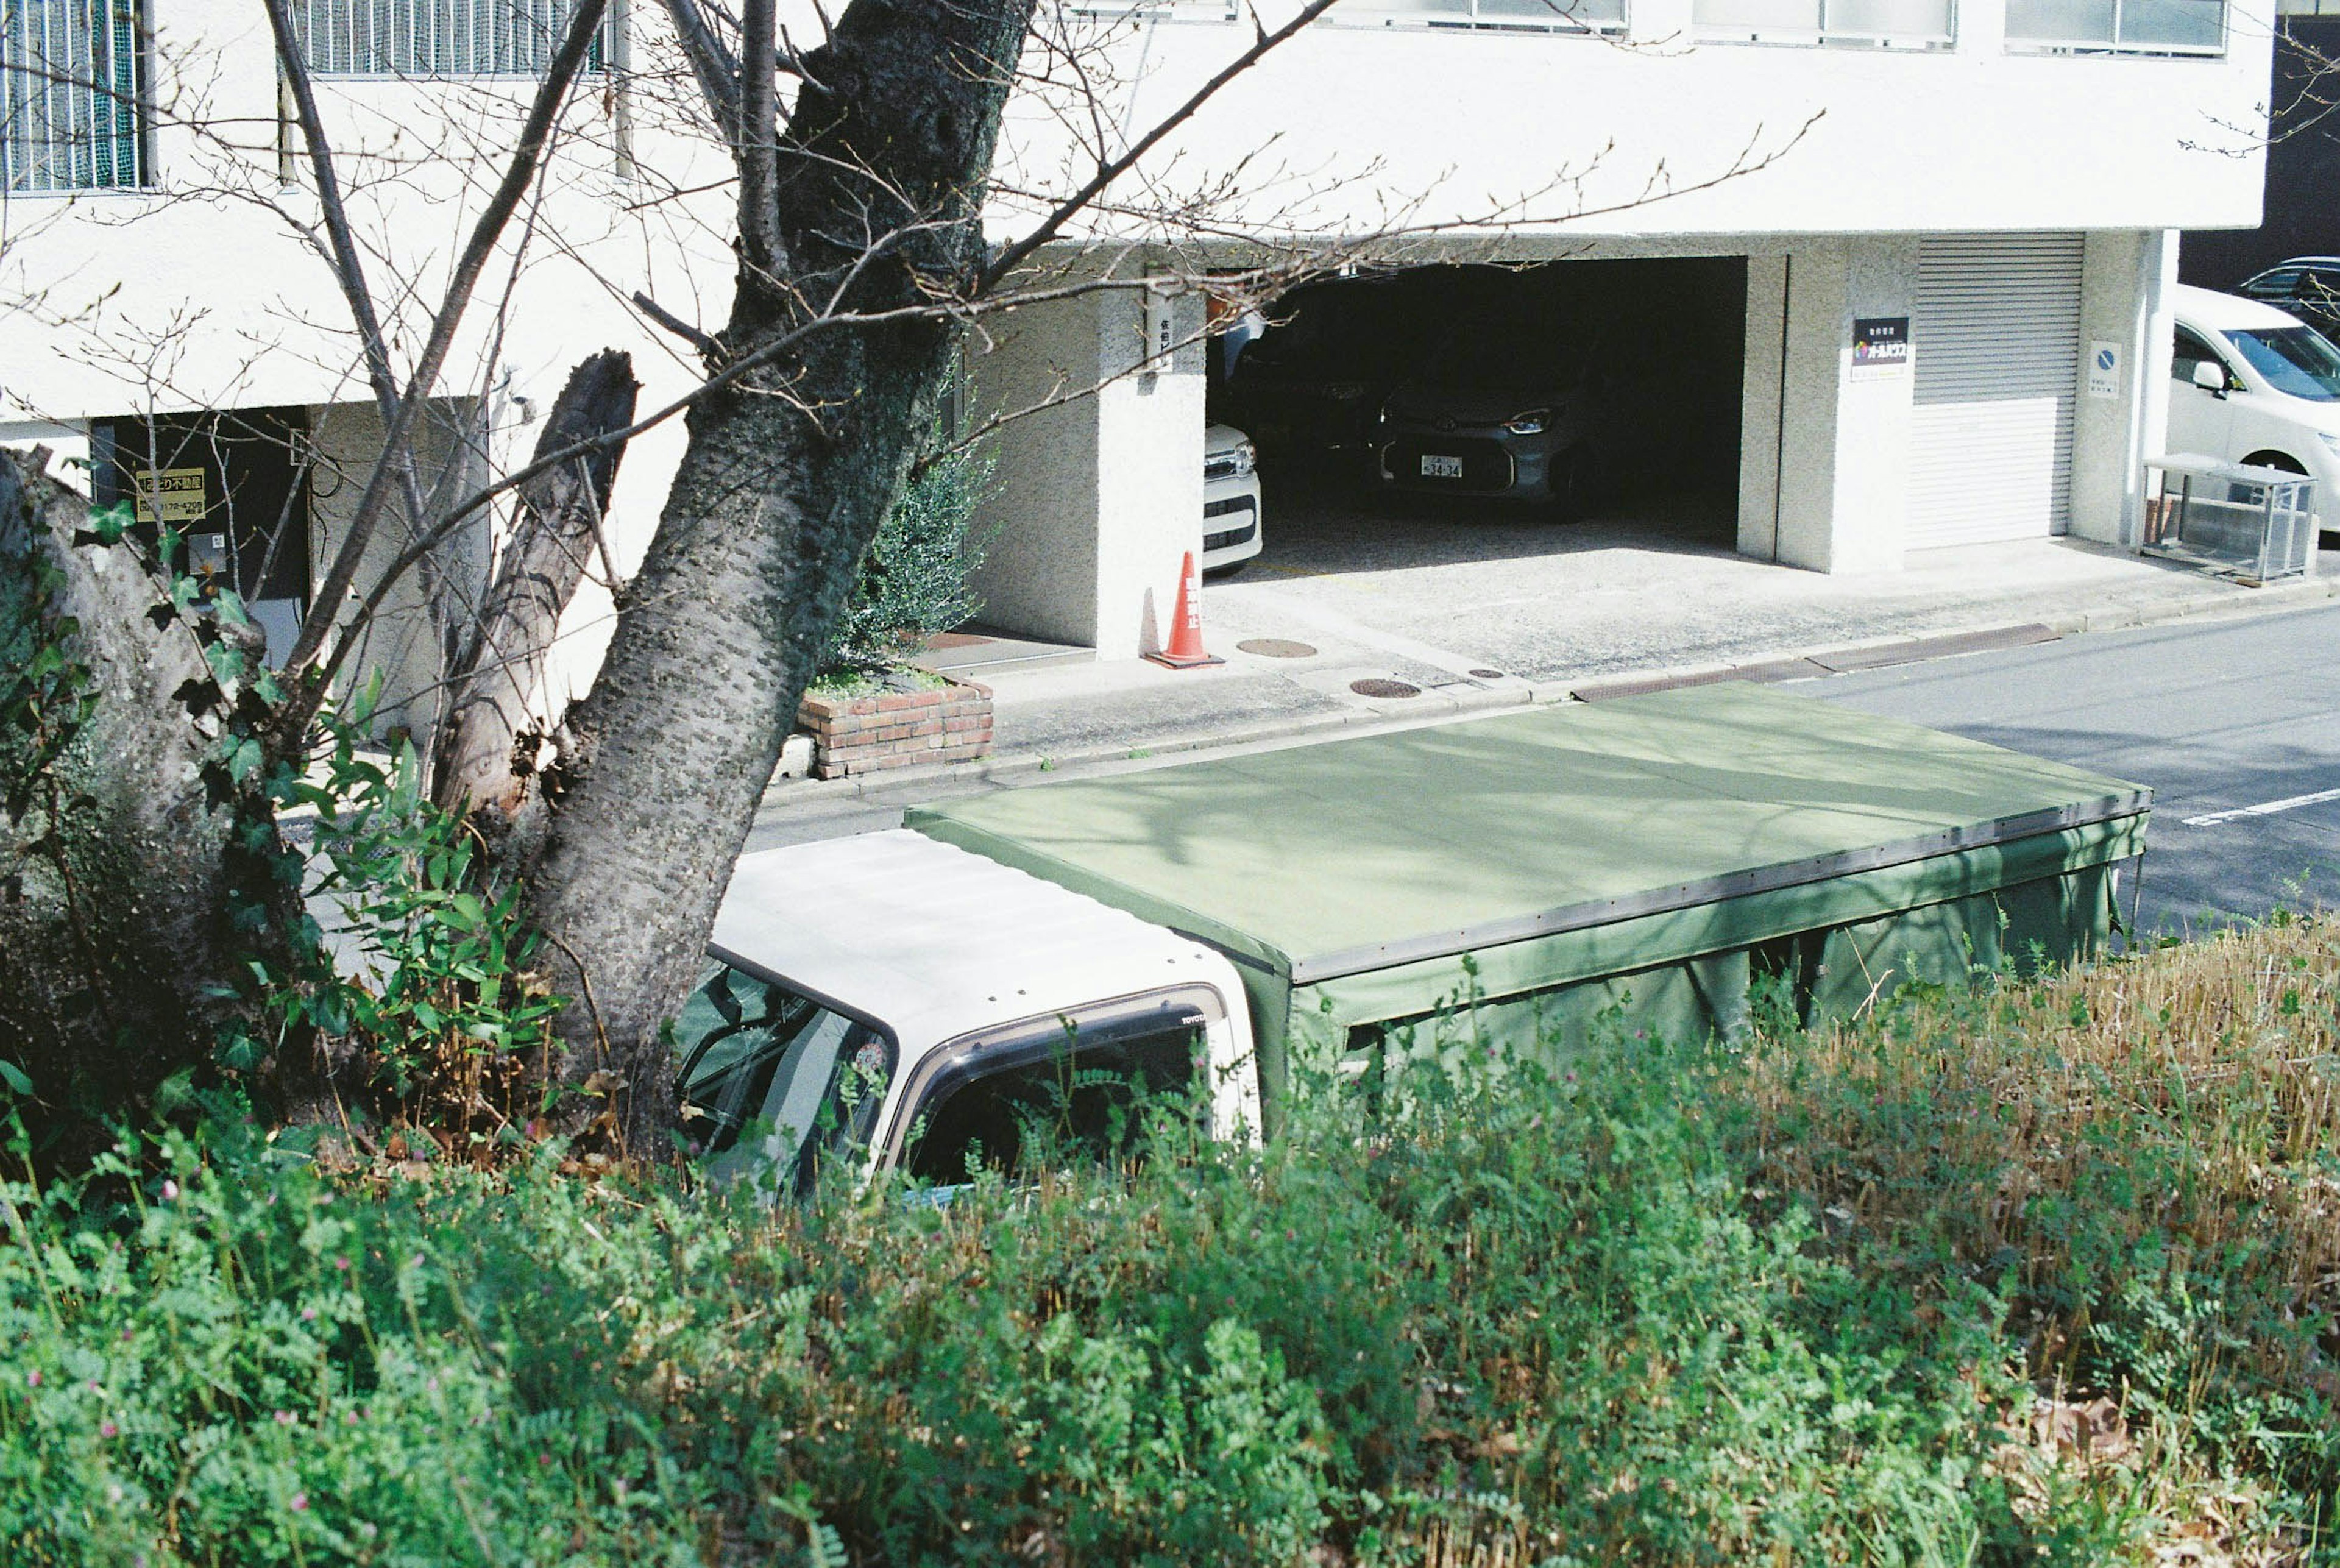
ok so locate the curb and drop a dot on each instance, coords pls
(1813, 663)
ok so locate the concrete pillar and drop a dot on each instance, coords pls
(2122, 408)
(1095, 500)
(1761, 386)
(1844, 450)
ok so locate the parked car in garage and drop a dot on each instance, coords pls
(1312, 382)
(1231, 521)
(2251, 384)
(1500, 408)
(2308, 287)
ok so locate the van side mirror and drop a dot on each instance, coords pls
(2210, 375)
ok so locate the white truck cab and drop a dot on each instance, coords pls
(900, 1002)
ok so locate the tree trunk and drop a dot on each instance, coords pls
(785, 479)
(502, 666)
(122, 865)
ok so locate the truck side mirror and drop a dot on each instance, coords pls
(2210, 376)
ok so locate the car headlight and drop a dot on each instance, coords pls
(2331, 442)
(1244, 459)
(1531, 422)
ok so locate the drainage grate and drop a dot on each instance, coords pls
(1384, 688)
(1277, 648)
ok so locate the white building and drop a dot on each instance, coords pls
(1995, 183)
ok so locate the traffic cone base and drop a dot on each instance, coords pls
(1186, 649)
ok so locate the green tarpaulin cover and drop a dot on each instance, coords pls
(1535, 863)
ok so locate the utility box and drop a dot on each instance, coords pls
(2256, 525)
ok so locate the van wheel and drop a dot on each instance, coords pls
(2282, 462)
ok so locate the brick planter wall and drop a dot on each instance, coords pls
(884, 730)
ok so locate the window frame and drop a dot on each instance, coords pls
(2209, 353)
(735, 1158)
(2018, 44)
(1561, 25)
(998, 1048)
(82, 144)
(1825, 37)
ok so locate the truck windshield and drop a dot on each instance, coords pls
(757, 1056)
(2295, 360)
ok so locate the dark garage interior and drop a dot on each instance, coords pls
(1469, 410)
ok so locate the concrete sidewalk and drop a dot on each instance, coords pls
(1615, 613)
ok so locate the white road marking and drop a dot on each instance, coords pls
(2265, 808)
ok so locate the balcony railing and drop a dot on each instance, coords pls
(72, 96)
(438, 38)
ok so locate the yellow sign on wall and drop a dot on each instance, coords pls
(181, 492)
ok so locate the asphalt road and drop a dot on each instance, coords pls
(2218, 718)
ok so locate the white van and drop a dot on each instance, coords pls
(2251, 384)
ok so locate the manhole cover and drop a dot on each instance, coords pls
(1277, 648)
(1487, 675)
(1384, 688)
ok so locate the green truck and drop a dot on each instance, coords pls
(1514, 877)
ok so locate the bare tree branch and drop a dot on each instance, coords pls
(519, 172)
(711, 63)
(1108, 172)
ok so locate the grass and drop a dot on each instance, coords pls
(2043, 1271)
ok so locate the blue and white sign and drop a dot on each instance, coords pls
(2104, 370)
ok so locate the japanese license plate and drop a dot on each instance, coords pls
(1436, 467)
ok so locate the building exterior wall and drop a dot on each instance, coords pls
(1094, 501)
(1377, 127)
(2125, 301)
(1822, 165)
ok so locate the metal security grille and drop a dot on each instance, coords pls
(437, 37)
(71, 96)
(1997, 344)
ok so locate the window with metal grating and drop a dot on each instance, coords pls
(438, 38)
(72, 96)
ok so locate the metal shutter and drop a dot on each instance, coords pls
(1998, 353)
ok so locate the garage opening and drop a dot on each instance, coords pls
(1464, 413)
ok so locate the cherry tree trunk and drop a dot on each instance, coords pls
(785, 479)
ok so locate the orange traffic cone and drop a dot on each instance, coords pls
(1186, 649)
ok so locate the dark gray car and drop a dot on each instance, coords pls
(1499, 409)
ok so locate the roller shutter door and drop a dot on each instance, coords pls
(1998, 349)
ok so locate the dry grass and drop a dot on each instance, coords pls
(2161, 1131)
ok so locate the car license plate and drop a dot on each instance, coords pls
(1436, 467)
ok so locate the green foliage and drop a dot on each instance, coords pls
(433, 981)
(1665, 1305)
(913, 581)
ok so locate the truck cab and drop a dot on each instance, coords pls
(901, 1004)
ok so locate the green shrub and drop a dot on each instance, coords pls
(1669, 1306)
(914, 580)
